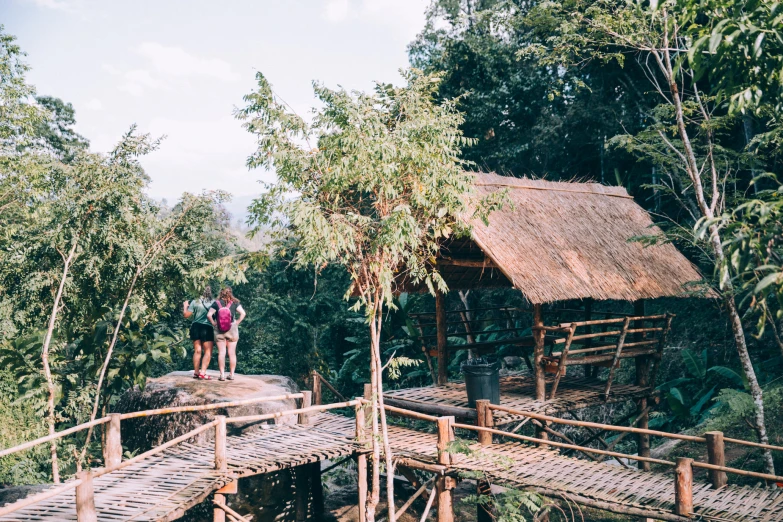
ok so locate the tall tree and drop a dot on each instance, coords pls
(379, 185)
(685, 128)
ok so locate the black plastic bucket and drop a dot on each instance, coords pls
(482, 380)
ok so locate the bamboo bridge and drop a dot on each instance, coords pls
(165, 482)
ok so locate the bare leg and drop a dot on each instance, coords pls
(207, 356)
(232, 356)
(196, 355)
(222, 356)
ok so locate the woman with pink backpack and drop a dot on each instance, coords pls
(223, 316)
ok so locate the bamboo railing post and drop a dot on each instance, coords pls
(683, 487)
(368, 391)
(361, 462)
(307, 400)
(112, 449)
(85, 498)
(440, 325)
(484, 419)
(616, 360)
(716, 455)
(538, 353)
(317, 394)
(561, 367)
(445, 484)
(221, 464)
(588, 330)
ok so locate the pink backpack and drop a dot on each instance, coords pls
(224, 317)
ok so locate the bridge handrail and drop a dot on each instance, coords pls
(629, 429)
(10, 508)
(695, 464)
(145, 413)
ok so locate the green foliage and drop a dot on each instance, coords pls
(738, 47)
(694, 397)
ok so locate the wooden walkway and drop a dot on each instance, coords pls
(529, 467)
(518, 392)
(164, 486)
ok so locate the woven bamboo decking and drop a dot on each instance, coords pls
(530, 467)
(163, 487)
(519, 392)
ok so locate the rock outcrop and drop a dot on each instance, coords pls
(181, 389)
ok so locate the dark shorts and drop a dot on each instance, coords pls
(201, 332)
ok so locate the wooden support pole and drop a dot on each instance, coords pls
(445, 484)
(301, 492)
(361, 462)
(683, 487)
(317, 394)
(440, 325)
(221, 464)
(368, 391)
(484, 513)
(716, 456)
(317, 488)
(484, 419)
(112, 449)
(538, 353)
(588, 330)
(307, 400)
(85, 498)
(643, 381)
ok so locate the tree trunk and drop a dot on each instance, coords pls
(727, 288)
(50, 419)
(106, 362)
(375, 333)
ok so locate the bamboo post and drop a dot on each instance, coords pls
(368, 392)
(716, 456)
(112, 449)
(588, 330)
(440, 325)
(361, 463)
(317, 394)
(221, 464)
(538, 353)
(643, 381)
(307, 400)
(616, 359)
(683, 487)
(444, 484)
(484, 419)
(301, 481)
(85, 498)
(317, 488)
(561, 367)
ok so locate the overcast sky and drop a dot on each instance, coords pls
(180, 67)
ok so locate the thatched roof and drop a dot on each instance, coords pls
(564, 241)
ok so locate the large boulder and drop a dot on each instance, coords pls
(181, 389)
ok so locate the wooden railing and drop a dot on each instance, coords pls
(112, 450)
(683, 476)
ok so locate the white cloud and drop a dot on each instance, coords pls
(337, 10)
(406, 16)
(57, 5)
(165, 65)
(175, 61)
(94, 105)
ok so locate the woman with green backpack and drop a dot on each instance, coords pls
(225, 314)
(201, 332)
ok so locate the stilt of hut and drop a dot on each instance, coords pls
(643, 380)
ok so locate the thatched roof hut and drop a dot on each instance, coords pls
(564, 241)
